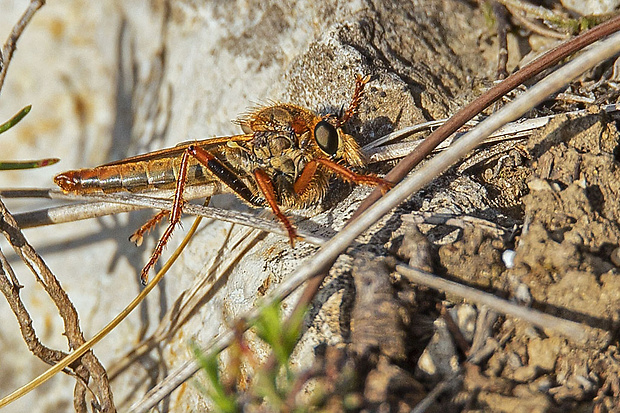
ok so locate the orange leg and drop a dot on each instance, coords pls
(175, 217)
(266, 187)
(309, 170)
(360, 82)
(138, 236)
(304, 179)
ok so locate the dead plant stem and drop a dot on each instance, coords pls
(9, 46)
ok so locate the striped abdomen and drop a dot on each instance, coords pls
(132, 176)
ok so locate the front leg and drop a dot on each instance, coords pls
(360, 82)
(304, 179)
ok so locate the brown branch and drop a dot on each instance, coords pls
(91, 366)
(11, 42)
(10, 288)
(467, 113)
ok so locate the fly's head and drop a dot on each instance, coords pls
(330, 141)
(329, 137)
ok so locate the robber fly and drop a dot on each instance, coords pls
(283, 159)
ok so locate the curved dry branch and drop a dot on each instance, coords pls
(9, 46)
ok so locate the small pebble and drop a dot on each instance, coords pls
(508, 257)
(522, 294)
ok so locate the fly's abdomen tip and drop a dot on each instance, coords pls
(67, 182)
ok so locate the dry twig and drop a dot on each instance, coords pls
(570, 329)
(98, 205)
(10, 287)
(84, 349)
(11, 43)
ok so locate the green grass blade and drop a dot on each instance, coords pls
(15, 119)
(8, 165)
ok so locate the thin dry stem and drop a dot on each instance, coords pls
(11, 288)
(9, 46)
(106, 204)
(570, 329)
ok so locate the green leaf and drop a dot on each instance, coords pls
(222, 401)
(15, 119)
(269, 327)
(11, 165)
(292, 330)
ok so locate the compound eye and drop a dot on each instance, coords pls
(326, 137)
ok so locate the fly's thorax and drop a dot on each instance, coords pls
(285, 139)
(281, 116)
(272, 144)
